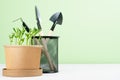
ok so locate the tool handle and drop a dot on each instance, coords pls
(47, 39)
(38, 24)
(49, 34)
(25, 26)
(47, 55)
(53, 26)
(41, 33)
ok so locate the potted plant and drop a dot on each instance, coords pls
(22, 58)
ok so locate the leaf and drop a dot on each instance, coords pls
(14, 29)
(20, 33)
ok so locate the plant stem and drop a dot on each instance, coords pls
(16, 41)
(27, 41)
(19, 42)
(30, 41)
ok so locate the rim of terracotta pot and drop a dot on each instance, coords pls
(34, 46)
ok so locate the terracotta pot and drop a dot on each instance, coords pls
(22, 57)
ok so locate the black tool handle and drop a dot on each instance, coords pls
(53, 26)
(25, 26)
(38, 25)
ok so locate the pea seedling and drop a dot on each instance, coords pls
(20, 36)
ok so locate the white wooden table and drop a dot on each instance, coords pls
(76, 72)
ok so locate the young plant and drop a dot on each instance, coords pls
(11, 37)
(20, 36)
(31, 34)
(19, 33)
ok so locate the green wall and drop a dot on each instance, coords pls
(90, 32)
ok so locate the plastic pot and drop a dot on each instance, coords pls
(22, 57)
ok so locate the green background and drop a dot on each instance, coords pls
(90, 32)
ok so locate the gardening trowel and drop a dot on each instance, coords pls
(56, 18)
(43, 40)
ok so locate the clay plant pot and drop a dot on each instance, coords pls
(22, 57)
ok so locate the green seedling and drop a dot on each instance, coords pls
(20, 36)
(11, 37)
(31, 34)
